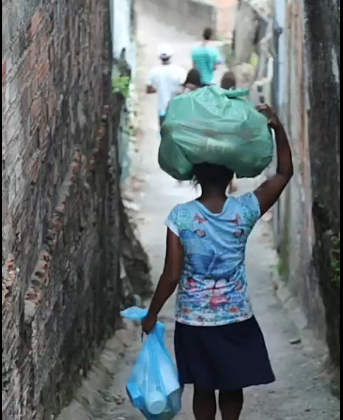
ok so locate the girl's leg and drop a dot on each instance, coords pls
(231, 404)
(204, 405)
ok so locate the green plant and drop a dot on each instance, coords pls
(121, 84)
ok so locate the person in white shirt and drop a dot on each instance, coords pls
(166, 80)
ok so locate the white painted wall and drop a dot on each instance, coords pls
(281, 19)
(122, 31)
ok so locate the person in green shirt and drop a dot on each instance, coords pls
(206, 58)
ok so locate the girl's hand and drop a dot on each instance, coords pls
(149, 323)
(274, 121)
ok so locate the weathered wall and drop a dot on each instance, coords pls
(125, 47)
(293, 214)
(123, 18)
(192, 16)
(323, 41)
(61, 211)
(308, 214)
(251, 36)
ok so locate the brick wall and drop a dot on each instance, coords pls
(61, 200)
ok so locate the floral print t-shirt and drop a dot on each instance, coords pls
(213, 290)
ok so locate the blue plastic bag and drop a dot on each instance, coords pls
(153, 387)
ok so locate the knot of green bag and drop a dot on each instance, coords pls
(238, 93)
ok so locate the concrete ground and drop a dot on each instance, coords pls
(302, 390)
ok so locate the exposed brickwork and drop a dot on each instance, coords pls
(53, 61)
(60, 211)
(10, 341)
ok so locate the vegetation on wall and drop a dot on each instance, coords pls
(121, 84)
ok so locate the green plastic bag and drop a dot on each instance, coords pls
(215, 126)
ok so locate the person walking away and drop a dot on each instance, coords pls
(206, 58)
(229, 82)
(193, 81)
(218, 341)
(166, 80)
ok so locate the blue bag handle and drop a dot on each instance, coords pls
(134, 313)
(138, 314)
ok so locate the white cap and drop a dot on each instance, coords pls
(165, 51)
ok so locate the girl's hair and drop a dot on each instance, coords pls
(208, 34)
(193, 78)
(207, 174)
(229, 81)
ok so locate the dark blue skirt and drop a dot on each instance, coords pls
(227, 358)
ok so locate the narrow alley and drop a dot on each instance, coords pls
(84, 201)
(302, 391)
